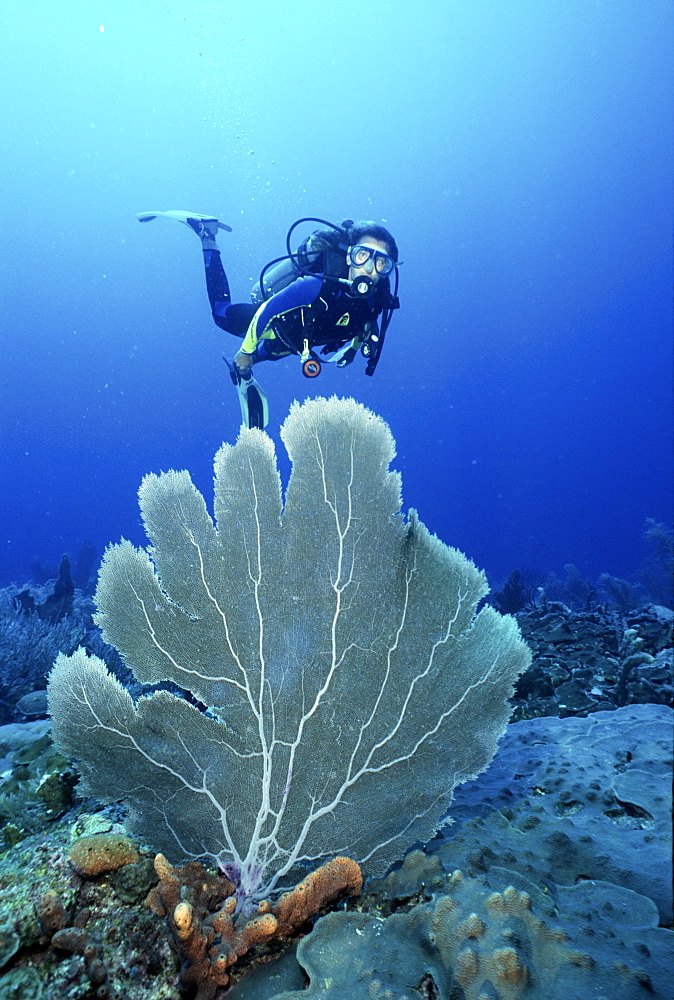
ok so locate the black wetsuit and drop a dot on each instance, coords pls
(310, 312)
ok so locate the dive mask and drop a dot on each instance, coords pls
(383, 264)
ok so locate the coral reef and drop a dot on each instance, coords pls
(36, 782)
(33, 630)
(28, 648)
(21, 984)
(208, 935)
(322, 718)
(521, 590)
(583, 660)
(658, 568)
(57, 602)
(567, 799)
(625, 596)
(564, 844)
(560, 816)
(480, 943)
(77, 936)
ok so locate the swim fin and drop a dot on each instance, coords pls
(179, 216)
(252, 400)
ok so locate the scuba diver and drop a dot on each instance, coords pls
(332, 293)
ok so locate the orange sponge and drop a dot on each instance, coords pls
(102, 852)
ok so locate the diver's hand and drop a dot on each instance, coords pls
(243, 361)
(347, 358)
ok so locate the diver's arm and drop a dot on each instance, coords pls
(302, 292)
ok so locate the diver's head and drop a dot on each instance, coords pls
(372, 251)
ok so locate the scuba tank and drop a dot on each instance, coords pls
(276, 278)
(323, 253)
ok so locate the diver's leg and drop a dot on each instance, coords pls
(217, 285)
(234, 317)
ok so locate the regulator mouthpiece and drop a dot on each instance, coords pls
(361, 286)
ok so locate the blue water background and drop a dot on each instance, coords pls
(521, 152)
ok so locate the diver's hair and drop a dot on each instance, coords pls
(365, 228)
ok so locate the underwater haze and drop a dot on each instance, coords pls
(521, 154)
